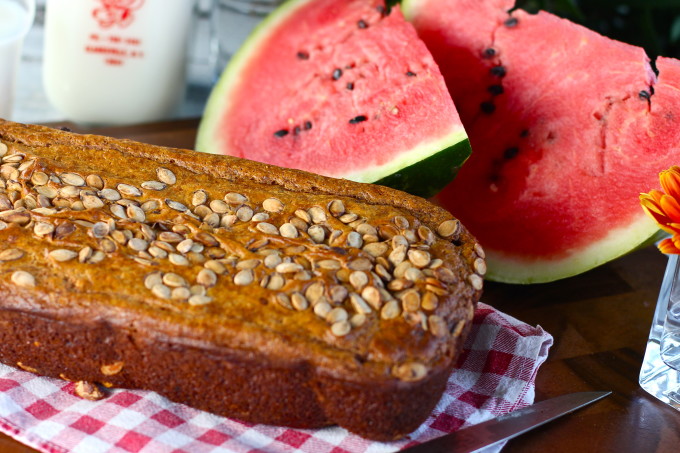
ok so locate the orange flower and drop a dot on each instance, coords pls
(664, 208)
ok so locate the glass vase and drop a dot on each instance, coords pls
(660, 372)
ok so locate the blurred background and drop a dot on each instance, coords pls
(651, 24)
(32, 106)
(218, 29)
(220, 26)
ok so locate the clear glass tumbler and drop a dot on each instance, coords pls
(660, 373)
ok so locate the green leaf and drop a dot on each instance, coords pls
(642, 4)
(571, 8)
(675, 30)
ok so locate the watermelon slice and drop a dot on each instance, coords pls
(339, 88)
(567, 128)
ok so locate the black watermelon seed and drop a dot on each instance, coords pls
(498, 71)
(383, 10)
(511, 152)
(489, 52)
(362, 24)
(337, 74)
(487, 107)
(296, 130)
(350, 86)
(303, 55)
(411, 74)
(511, 22)
(65, 129)
(358, 119)
(308, 125)
(524, 133)
(281, 133)
(644, 94)
(495, 89)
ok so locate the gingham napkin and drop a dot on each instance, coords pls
(495, 375)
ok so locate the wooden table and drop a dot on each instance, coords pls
(600, 321)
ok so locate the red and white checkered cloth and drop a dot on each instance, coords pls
(496, 375)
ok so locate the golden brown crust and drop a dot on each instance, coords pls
(215, 259)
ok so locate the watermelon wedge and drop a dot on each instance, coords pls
(567, 128)
(339, 88)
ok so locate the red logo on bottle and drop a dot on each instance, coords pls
(116, 12)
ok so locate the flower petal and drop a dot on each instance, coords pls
(670, 207)
(668, 246)
(648, 202)
(670, 181)
(652, 209)
(666, 228)
(656, 195)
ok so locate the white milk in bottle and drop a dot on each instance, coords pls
(116, 61)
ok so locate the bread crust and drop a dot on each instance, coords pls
(242, 351)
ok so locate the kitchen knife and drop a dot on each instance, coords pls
(507, 426)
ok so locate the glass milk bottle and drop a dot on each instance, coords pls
(116, 61)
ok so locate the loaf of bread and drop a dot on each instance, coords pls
(260, 293)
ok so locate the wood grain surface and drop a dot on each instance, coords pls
(600, 321)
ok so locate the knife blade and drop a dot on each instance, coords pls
(508, 426)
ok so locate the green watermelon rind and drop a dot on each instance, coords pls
(618, 242)
(422, 176)
(423, 170)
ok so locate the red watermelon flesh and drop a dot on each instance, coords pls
(339, 88)
(567, 128)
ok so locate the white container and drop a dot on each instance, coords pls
(16, 17)
(116, 61)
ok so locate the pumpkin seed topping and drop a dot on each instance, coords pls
(244, 277)
(200, 197)
(341, 328)
(166, 176)
(129, 190)
(410, 371)
(154, 185)
(62, 255)
(39, 178)
(272, 205)
(448, 228)
(11, 254)
(72, 179)
(23, 279)
(345, 268)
